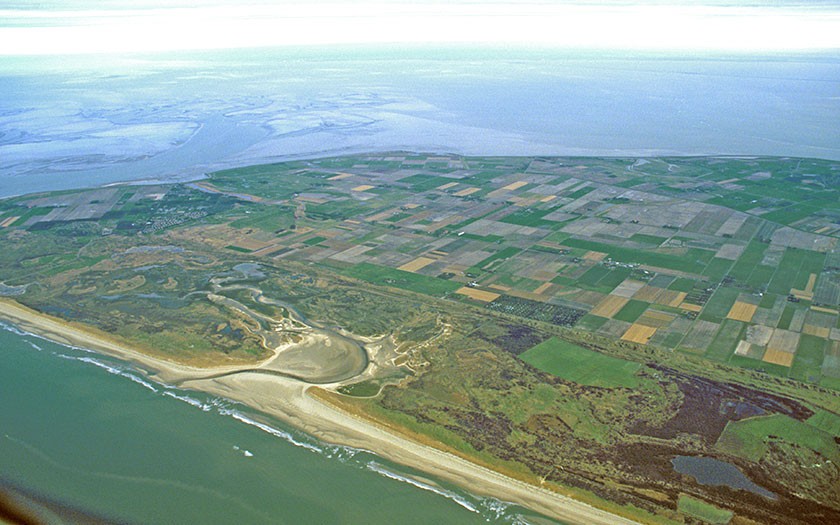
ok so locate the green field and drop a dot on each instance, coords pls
(414, 282)
(703, 511)
(586, 367)
(748, 438)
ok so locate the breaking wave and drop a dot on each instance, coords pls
(111, 369)
(491, 509)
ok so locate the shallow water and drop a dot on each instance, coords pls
(70, 123)
(87, 432)
(710, 471)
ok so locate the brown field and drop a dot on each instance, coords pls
(648, 294)
(594, 256)
(639, 333)
(778, 357)
(478, 295)
(672, 298)
(363, 187)
(691, 307)
(655, 319)
(784, 341)
(819, 331)
(742, 311)
(250, 244)
(759, 334)
(627, 288)
(609, 306)
(730, 251)
(416, 264)
(543, 287)
(466, 191)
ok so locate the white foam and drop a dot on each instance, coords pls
(110, 369)
(460, 500)
(270, 430)
(205, 407)
(13, 329)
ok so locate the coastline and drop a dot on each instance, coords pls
(288, 400)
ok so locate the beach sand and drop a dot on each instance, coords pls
(287, 399)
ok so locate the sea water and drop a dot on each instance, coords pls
(87, 432)
(70, 122)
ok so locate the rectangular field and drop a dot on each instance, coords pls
(742, 311)
(586, 367)
(639, 333)
(478, 295)
(610, 306)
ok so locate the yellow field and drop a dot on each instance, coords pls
(548, 198)
(9, 221)
(639, 333)
(609, 306)
(478, 295)
(363, 187)
(594, 256)
(824, 310)
(818, 331)
(466, 191)
(515, 185)
(742, 311)
(691, 307)
(341, 176)
(416, 264)
(778, 357)
(447, 185)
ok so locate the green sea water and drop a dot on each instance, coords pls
(89, 433)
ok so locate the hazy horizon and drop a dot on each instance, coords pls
(84, 27)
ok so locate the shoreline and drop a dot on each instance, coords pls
(287, 399)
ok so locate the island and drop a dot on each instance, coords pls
(602, 340)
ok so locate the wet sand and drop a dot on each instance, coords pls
(287, 399)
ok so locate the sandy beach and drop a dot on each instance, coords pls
(288, 400)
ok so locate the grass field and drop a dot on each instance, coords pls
(631, 311)
(748, 438)
(414, 282)
(703, 511)
(587, 367)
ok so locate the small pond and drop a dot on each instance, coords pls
(710, 471)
